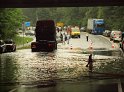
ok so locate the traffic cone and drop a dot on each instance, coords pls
(71, 46)
(91, 47)
(113, 45)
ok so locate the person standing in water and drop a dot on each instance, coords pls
(90, 63)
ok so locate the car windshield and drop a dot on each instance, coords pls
(61, 58)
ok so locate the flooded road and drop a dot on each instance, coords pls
(27, 68)
(63, 70)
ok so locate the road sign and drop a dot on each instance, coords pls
(60, 24)
(27, 24)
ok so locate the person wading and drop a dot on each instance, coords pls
(90, 63)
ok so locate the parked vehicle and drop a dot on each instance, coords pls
(2, 46)
(45, 33)
(115, 35)
(30, 33)
(82, 29)
(107, 33)
(96, 26)
(10, 45)
(75, 32)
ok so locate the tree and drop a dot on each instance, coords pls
(113, 15)
(10, 20)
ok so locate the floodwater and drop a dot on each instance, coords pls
(63, 69)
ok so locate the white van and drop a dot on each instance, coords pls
(115, 35)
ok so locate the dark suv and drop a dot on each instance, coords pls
(2, 46)
(10, 45)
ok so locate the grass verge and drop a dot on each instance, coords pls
(20, 40)
(25, 47)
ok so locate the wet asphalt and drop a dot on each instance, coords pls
(63, 70)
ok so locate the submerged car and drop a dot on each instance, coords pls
(10, 45)
(2, 46)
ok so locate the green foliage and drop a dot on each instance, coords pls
(113, 15)
(10, 20)
(20, 40)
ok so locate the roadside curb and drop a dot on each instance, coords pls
(114, 44)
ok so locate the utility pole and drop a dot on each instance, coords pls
(23, 29)
(36, 15)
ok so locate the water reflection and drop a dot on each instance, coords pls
(8, 72)
(8, 69)
(115, 66)
(105, 52)
(26, 67)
